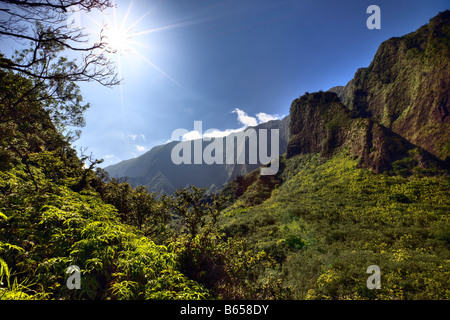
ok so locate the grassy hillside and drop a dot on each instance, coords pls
(329, 220)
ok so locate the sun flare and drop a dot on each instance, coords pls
(119, 35)
(118, 40)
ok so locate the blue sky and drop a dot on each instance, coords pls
(204, 59)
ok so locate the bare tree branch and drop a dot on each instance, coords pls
(41, 30)
(43, 24)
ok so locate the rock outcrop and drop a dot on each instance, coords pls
(406, 86)
(320, 123)
(393, 114)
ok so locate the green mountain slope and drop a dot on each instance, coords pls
(52, 216)
(329, 220)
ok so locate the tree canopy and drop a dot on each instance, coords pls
(55, 56)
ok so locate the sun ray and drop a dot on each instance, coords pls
(158, 69)
(124, 21)
(163, 28)
(122, 101)
(139, 44)
(119, 35)
(140, 19)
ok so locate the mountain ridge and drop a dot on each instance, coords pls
(336, 121)
(405, 87)
(156, 170)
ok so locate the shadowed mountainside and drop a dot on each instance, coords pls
(156, 170)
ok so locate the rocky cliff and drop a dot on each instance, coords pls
(405, 88)
(393, 114)
(320, 123)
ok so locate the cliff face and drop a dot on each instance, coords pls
(405, 88)
(393, 114)
(320, 123)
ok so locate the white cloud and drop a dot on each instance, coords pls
(216, 133)
(191, 135)
(109, 156)
(264, 117)
(245, 119)
(137, 137)
(140, 148)
(242, 117)
(210, 133)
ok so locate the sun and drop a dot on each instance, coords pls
(117, 40)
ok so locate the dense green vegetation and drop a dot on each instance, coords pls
(48, 231)
(329, 220)
(56, 211)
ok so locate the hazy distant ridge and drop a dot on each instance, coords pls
(156, 170)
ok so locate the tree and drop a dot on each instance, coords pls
(140, 208)
(198, 216)
(224, 265)
(41, 24)
(44, 24)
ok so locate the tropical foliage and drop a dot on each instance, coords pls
(329, 220)
(129, 244)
